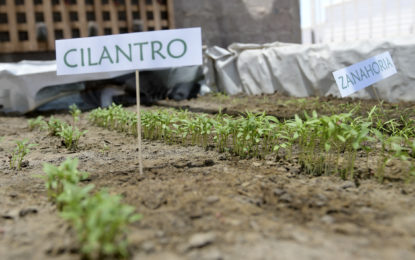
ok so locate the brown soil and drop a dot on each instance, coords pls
(200, 204)
(284, 107)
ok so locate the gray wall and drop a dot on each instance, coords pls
(247, 21)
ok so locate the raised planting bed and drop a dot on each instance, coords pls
(215, 186)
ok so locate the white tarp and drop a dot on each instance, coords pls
(20, 82)
(306, 70)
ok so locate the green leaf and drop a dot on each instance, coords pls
(341, 138)
(327, 147)
(355, 145)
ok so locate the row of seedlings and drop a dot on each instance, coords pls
(322, 144)
(70, 134)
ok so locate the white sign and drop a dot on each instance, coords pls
(365, 73)
(132, 51)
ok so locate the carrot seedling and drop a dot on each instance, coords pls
(18, 154)
(71, 136)
(37, 123)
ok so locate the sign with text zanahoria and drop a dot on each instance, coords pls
(365, 73)
(132, 51)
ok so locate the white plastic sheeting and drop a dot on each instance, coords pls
(306, 70)
(20, 82)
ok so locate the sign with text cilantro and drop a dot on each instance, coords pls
(365, 73)
(132, 51)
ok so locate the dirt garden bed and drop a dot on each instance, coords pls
(282, 106)
(198, 203)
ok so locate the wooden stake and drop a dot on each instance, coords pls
(137, 88)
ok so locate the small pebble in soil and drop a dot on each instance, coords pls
(164, 240)
(200, 240)
(347, 184)
(208, 163)
(390, 164)
(148, 247)
(212, 199)
(25, 212)
(256, 201)
(346, 229)
(7, 216)
(270, 163)
(293, 170)
(327, 219)
(12, 214)
(222, 158)
(278, 192)
(287, 198)
(160, 234)
(319, 200)
(25, 164)
(196, 214)
(256, 164)
(13, 195)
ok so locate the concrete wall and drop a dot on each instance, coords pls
(247, 21)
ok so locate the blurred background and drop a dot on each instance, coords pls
(248, 44)
(324, 21)
(30, 27)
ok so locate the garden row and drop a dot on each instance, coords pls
(99, 219)
(70, 135)
(321, 144)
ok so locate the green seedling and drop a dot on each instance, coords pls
(18, 154)
(104, 149)
(102, 233)
(71, 136)
(100, 220)
(72, 198)
(56, 176)
(75, 112)
(72, 202)
(54, 126)
(37, 123)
